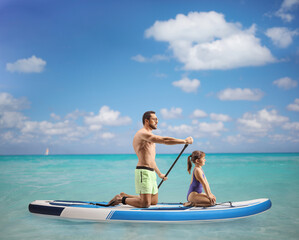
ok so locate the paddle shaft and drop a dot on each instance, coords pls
(186, 145)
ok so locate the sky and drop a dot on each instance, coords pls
(76, 76)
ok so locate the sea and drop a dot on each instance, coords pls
(232, 177)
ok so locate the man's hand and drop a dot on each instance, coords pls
(163, 177)
(189, 140)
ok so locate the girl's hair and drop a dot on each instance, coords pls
(195, 155)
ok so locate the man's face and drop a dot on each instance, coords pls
(153, 121)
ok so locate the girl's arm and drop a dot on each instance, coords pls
(205, 184)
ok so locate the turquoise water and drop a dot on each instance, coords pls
(234, 177)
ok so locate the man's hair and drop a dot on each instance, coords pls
(147, 115)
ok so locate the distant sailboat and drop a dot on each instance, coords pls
(47, 151)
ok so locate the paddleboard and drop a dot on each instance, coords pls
(162, 212)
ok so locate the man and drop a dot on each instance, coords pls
(145, 173)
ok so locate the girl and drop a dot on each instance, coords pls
(199, 182)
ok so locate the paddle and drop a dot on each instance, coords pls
(173, 164)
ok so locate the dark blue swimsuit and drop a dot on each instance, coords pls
(195, 186)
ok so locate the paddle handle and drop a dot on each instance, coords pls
(186, 145)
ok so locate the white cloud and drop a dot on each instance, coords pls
(29, 65)
(47, 128)
(285, 83)
(238, 139)
(139, 58)
(294, 106)
(55, 116)
(12, 120)
(283, 138)
(181, 130)
(106, 116)
(211, 128)
(172, 113)
(75, 114)
(155, 58)
(280, 137)
(10, 117)
(205, 40)
(107, 135)
(9, 103)
(286, 7)
(220, 117)
(293, 126)
(281, 36)
(159, 57)
(67, 130)
(17, 128)
(7, 136)
(261, 122)
(187, 85)
(161, 75)
(230, 94)
(199, 130)
(95, 127)
(197, 113)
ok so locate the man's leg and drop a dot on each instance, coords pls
(115, 200)
(122, 194)
(154, 200)
(143, 201)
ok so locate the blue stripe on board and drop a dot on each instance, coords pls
(192, 215)
(110, 215)
(162, 208)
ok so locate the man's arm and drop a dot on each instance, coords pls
(161, 175)
(166, 140)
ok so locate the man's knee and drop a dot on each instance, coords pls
(145, 203)
(154, 200)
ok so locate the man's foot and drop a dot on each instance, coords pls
(122, 194)
(115, 201)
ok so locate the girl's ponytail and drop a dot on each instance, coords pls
(192, 158)
(189, 164)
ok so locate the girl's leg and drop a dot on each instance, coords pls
(199, 199)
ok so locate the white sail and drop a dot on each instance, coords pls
(47, 151)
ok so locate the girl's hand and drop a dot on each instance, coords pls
(212, 199)
(163, 177)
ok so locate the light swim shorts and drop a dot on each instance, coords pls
(145, 180)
